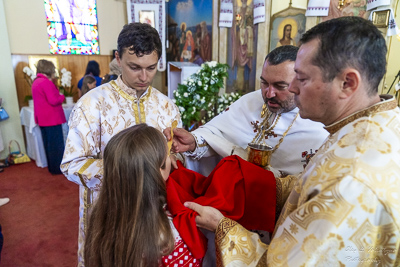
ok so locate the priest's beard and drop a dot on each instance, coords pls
(285, 105)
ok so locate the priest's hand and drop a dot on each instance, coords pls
(208, 217)
(182, 141)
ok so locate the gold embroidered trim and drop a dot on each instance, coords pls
(141, 106)
(140, 115)
(136, 111)
(279, 200)
(85, 209)
(122, 92)
(224, 226)
(388, 103)
(263, 260)
(83, 169)
(198, 143)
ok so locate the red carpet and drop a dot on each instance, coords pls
(40, 223)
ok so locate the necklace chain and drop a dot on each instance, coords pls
(267, 115)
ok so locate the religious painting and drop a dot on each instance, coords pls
(189, 30)
(242, 49)
(347, 8)
(148, 17)
(287, 26)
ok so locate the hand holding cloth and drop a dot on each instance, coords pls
(240, 190)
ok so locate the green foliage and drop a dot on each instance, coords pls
(27, 98)
(67, 91)
(199, 93)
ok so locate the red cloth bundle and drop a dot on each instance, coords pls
(241, 190)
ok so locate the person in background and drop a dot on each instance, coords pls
(49, 114)
(345, 209)
(130, 224)
(115, 71)
(89, 82)
(111, 108)
(92, 68)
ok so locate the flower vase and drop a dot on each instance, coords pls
(69, 100)
(30, 103)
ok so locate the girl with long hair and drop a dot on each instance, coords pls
(130, 224)
(89, 82)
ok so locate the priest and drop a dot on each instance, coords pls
(344, 210)
(268, 115)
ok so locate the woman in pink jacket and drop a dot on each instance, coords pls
(49, 114)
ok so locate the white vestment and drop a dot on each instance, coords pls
(97, 116)
(233, 129)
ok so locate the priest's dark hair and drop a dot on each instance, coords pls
(139, 39)
(282, 54)
(349, 42)
(128, 225)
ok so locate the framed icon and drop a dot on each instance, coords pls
(153, 14)
(287, 26)
(148, 17)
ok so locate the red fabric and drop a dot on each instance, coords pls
(241, 190)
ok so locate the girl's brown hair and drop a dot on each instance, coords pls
(128, 225)
(87, 79)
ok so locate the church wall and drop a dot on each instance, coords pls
(11, 128)
(23, 32)
(393, 66)
(26, 23)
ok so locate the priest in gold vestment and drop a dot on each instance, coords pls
(344, 210)
(111, 108)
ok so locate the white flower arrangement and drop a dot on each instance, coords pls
(225, 100)
(197, 97)
(66, 86)
(29, 75)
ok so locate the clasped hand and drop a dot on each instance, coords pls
(182, 141)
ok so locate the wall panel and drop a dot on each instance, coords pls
(76, 64)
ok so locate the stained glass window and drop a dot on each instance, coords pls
(72, 26)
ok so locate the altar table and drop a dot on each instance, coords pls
(34, 141)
